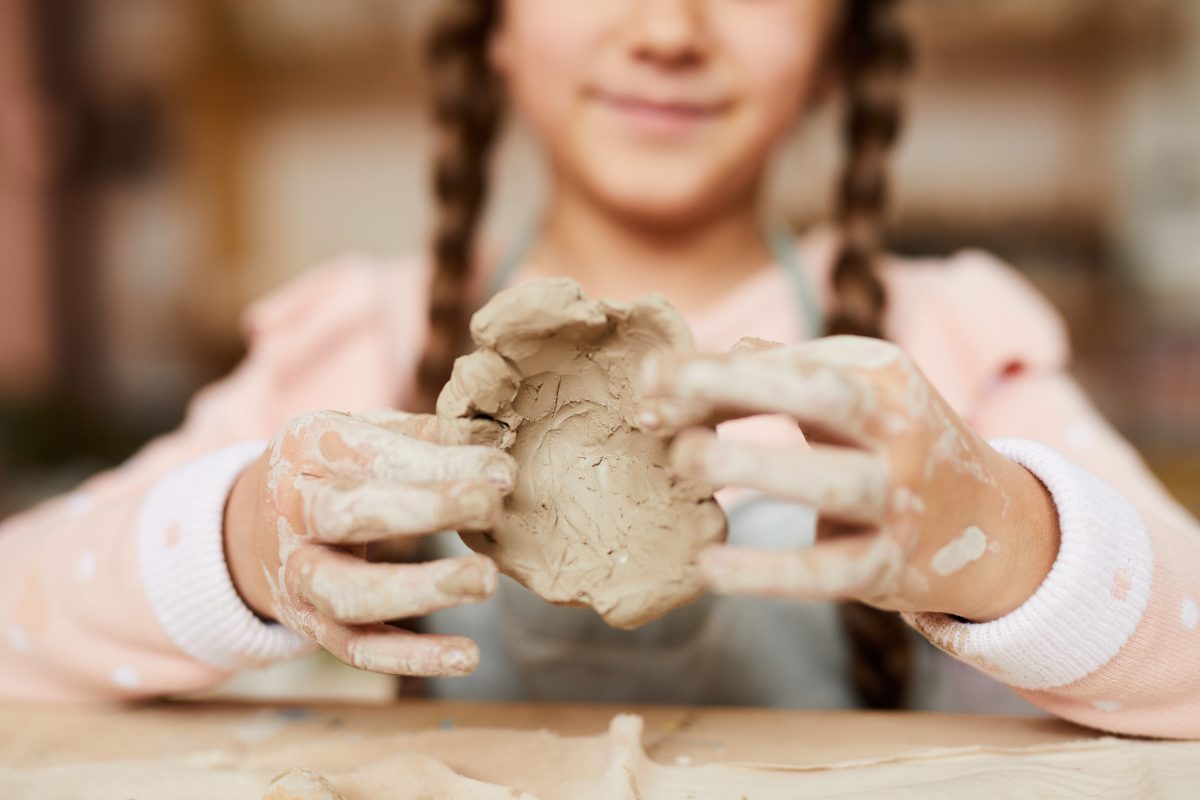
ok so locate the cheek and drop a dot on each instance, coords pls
(545, 50)
(777, 57)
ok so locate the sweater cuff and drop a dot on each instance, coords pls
(1089, 604)
(181, 558)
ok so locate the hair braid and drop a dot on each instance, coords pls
(467, 112)
(877, 57)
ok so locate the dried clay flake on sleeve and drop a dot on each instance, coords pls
(598, 517)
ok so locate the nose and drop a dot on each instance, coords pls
(669, 33)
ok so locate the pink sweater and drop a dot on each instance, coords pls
(120, 589)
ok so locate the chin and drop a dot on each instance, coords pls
(655, 196)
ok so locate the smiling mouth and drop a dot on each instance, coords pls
(655, 116)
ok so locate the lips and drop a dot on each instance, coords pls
(666, 116)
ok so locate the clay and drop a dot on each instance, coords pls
(598, 516)
(616, 767)
(959, 552)
(480, 764)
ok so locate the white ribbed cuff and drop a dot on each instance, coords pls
(181, 557)
(1090, 603)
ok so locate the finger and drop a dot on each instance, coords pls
(353, 448)
(818, 395)
(354, 591)
(672, 414)
(418, 426)
(347, 512)
(460, 463)
(863, 566)
(393, 651)
(669, 415)
(852, 352)
(846, 485)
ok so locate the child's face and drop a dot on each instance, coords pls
(662, 110)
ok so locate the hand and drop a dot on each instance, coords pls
(916, 511)
(299, 518)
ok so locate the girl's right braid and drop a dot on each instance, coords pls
(877, 57)
(467, 112)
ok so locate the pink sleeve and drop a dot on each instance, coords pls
(1112, 638)
(120, 589)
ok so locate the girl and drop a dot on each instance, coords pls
(1065, 573)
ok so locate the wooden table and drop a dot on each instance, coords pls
(38, 737)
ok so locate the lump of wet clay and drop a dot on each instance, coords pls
(597, 517)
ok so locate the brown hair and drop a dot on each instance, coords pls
(467, 110)
(877, 55)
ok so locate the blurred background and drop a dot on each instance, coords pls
(164, 162)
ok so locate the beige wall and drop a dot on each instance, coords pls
(1063, 134)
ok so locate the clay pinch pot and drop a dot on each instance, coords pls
(597, 517)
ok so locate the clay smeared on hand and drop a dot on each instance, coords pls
(598, 516)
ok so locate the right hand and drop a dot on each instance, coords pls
(299, 519)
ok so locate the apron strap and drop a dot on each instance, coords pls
(779, 238)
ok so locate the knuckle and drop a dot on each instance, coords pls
(388, 415)
(316, 422)
(858, 352)
(493, 459)
(341, 597)
(319, 585)
(402, 424)
(291, 439)
(753, 344)
(363, 655)
(469, 577)
(304, 620)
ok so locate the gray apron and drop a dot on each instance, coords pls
(717, 651)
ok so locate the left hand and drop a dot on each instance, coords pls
(916, 511)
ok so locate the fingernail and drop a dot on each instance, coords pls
(456, 660)
(499, 475)
(649, 420)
